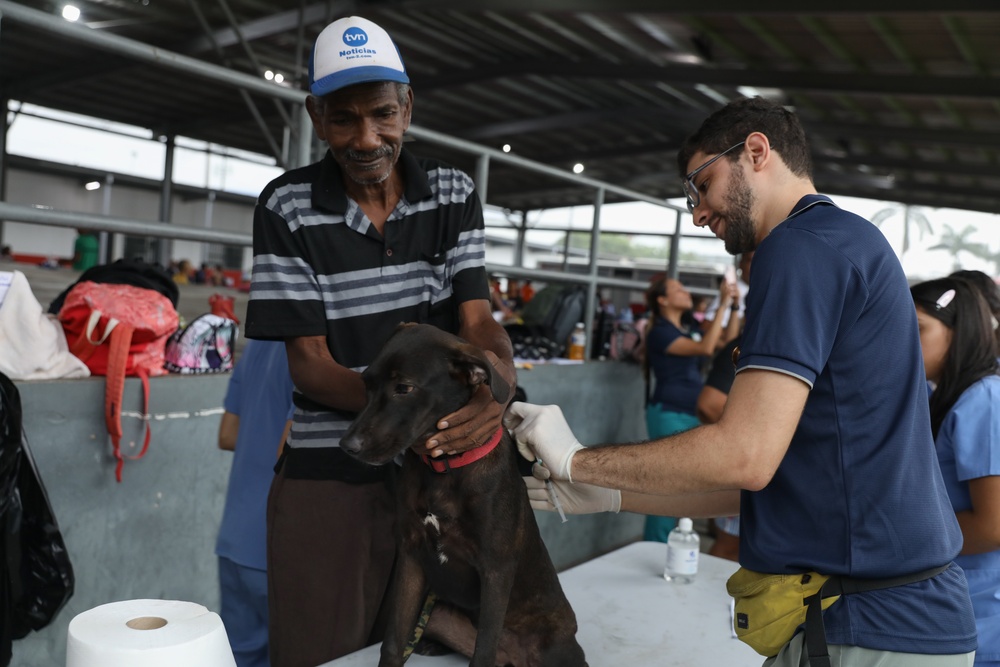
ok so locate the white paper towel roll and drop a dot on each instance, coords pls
(148, 633)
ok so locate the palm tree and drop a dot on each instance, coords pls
(911, 215)
(956, 243)
(989, 256)
(995, 258)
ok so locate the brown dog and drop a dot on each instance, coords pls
(466, 533)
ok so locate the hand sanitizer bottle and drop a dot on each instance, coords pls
(683, 547)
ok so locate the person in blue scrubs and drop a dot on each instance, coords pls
(989, 290)
(960, 359)
(257, 406)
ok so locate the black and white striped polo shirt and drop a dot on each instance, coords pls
(321, 268)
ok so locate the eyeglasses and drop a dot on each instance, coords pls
(690, 189)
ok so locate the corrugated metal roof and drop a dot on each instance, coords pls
(899, 105)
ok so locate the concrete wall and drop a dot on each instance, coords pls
(153, 535)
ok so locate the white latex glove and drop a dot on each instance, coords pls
(542, 433)
(575, 498)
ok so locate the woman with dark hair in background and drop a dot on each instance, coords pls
(989, 290)
(675, 349)
(960, 359)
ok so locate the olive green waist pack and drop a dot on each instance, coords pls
(771, 607)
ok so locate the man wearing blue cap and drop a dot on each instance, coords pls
(344, 250)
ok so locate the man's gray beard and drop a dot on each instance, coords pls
(381, 178)
(386, 151)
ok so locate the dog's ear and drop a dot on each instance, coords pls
(478, 370)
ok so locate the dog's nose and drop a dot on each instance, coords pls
(351, 444)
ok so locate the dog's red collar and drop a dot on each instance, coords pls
(446, 463)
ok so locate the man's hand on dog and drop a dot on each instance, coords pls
(474, 424)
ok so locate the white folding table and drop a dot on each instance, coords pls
(629, 616)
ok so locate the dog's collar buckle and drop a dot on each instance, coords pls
(448, 463)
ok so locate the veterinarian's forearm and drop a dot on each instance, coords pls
(696, 506)
(742, 451)
(688, 463)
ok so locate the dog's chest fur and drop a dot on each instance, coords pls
(437, 512)
(441, 518)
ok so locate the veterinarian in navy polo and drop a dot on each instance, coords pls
(825, 441)
(344, 250)
(855, 467)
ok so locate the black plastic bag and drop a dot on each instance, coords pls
(37, 573)
(10, 514)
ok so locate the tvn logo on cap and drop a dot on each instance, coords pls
(355, 37)
(371, 56)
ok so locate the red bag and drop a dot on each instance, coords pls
(119, 330)
(223, 306)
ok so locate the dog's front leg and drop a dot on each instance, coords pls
(494, 592)
(409, 591)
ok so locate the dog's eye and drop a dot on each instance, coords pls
(403, 388)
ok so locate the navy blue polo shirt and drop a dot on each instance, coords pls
(859, 492)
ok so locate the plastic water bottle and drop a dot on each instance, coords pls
(577, 342)
(683, 547)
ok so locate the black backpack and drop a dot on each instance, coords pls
(135, 272)
(555, 310)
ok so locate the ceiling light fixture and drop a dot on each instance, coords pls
(269, 75)
(711, 93)
(71, 13)
(92, 185)
(506, 148)
(776, 94)
(577, 168)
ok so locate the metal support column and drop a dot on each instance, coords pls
(303, 148)
(105, 240)
(3, 142)
(3, 155)
(482, 176)
(673, 262)
(566, 239)
(522, 235)
(206, 248)
(165, 247)
(595, 242)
